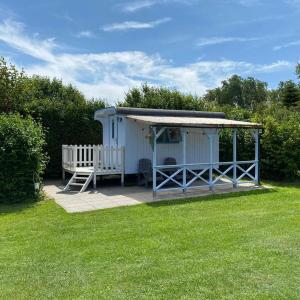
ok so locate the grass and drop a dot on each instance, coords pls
(235, 246)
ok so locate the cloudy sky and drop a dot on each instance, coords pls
(105, 47)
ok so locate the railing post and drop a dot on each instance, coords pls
(210, 138)
(122, 165)
(75, 157)
(184, 159)
(234, 151)
(63, 155)
(95, 164)
(257, 157)
(154, 162)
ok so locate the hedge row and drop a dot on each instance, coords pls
(66, 124)
(22, 157)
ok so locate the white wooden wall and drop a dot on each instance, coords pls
(137, 146)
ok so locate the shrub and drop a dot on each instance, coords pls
(280, 143)
(66, 124)
(22, 157)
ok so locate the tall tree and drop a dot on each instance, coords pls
(298, 70)
(11, 87)
(160, 97)
(240, 92)
(289, 93)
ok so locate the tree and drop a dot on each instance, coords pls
(160, 97)
(11, 87)
(289, 93)
(237, 91)
(298, 70)
(42, 88)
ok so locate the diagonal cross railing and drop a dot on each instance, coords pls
(200, 173)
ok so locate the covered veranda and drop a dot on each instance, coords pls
(209, 174)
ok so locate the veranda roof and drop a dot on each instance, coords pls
(192, 122)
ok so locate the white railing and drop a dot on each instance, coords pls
(102, 158)
(108, 158)
(186, 176)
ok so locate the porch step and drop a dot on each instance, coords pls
(85, 181)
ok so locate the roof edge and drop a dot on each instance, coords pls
(168, 112)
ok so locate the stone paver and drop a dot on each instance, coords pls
(109, 197)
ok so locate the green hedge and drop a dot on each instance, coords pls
(22, 157)
(66, 124)
(280, 143)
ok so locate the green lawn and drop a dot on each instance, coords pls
(237, 246)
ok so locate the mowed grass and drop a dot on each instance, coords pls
(236, 246)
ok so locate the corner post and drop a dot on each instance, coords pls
(154, 162)
(123, 165)
(184, 159)
(75, 157)
(63, 155)
(234, 152)
(210, 138)
(96, 150)
(257, 157)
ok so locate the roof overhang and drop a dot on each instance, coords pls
(100, 113)
(125, 111)
(192, 122)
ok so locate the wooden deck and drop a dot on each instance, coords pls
(85, 162)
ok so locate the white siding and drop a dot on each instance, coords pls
(137, 146)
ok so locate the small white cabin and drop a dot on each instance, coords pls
(126, 127)
(179, 147)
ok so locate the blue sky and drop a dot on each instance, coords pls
(106, 47)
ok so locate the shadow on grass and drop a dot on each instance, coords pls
(7, 208)
(212, 197)
(283, 183)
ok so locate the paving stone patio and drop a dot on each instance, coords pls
(116, 196)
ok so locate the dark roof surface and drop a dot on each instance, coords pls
(168, 112)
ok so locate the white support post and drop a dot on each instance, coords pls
(210, 138)
(75, 157)
(184, 159)
(96, 150)
(257, 142)
(122, 165)
(154, 162)
(234, 151)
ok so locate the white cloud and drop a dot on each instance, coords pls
(11, 33)
(134, 6)
(109, 75)
(85, 34)
(287, 45)
(221, 40)
(248, 3)
(137, 5)
(134, 25)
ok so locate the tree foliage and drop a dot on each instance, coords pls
(22, 157)
(61, 109)
(245, 93)
(11, 87)
(66, 124)
(289, 93)
(160, 97)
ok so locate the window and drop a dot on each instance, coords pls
(113, 128)
(169, 136)
(174, 135)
